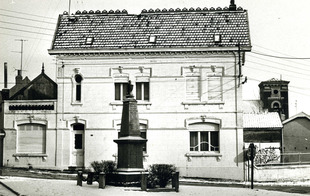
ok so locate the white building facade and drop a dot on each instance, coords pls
(186, 68)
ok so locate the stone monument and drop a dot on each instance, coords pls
(130, 143)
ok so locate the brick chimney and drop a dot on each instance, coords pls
(5, 75)
(232, 6)
(19, 78)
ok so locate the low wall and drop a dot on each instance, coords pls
(282, 173)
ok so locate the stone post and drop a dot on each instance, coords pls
(101, 180)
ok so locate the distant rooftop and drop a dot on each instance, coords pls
(262, 120)
(153, 29)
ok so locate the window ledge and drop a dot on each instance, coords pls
(29, 155)
(188, 103)
(203, 154)
(120, 103)
(76, 103)
(203, 102)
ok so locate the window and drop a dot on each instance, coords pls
(214, 88)
(192, 88)
(120, 91)
(217, 38)
(89, 40)
(152, 39)
(142, 91)
(204, 137)
(31, 138)
(78, 91)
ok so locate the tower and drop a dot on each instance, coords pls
(274, 95)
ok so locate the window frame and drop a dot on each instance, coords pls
(145, 91)
(121, 91)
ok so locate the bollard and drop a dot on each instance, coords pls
(79, 178)
(90, 177)
(177, 182)
(143, 181)
(173, 180)
(102, 180)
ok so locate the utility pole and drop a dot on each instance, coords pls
(21, 53)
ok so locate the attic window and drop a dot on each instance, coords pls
(217, 38)
(152, 39)
(89, 40)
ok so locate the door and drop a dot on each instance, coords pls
(77, 145)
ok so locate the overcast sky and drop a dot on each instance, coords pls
(278, 27)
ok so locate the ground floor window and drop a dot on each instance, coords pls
(31, 138)
(204, 137)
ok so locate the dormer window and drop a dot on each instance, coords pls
(152, 39)
(89, 40)
(217, 38)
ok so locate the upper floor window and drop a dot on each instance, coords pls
(204, 84)
(78, 87)
(142, 91)
(193, 88)
(204, 137)
(31, 138)
(215, 88)
(120, 91)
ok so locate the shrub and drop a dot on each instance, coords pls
(107, 167)
(160, 174)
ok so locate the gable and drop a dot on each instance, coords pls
(151, 29)
(42, 87)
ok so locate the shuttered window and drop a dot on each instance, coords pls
(214, 88)
(192, 88)
(31, 138)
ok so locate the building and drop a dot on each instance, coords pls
(186, 67)
(27, 124)
(265, 131)
(296, 139)
(274, 95)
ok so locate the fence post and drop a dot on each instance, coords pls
(173, 180)
(101, 180)
(79, 178)
(143, 181)
(176, 181)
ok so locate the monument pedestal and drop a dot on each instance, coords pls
(130, 145)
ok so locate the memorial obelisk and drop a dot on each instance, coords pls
(130, 143)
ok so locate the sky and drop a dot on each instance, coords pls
(279, 28)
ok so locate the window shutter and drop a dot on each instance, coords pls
(192, 87)
(214, 88)
(31, 138)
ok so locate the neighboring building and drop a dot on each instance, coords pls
(274, 95)
(186, 69)
(296, 139)
(265, 131)
(27, 124)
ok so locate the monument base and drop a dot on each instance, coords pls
(127, 177)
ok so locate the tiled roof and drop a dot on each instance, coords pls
(187, 28)
(262, 120)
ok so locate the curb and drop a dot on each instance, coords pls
(10, 189)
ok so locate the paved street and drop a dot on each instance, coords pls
(49, 187)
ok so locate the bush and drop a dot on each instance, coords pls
(160, 174)
(107, 167)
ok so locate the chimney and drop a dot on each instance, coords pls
(232, 6)
(18, 78)
(5, 75)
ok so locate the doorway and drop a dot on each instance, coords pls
(77, 145)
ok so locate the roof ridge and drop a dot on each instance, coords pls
(158, 11)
